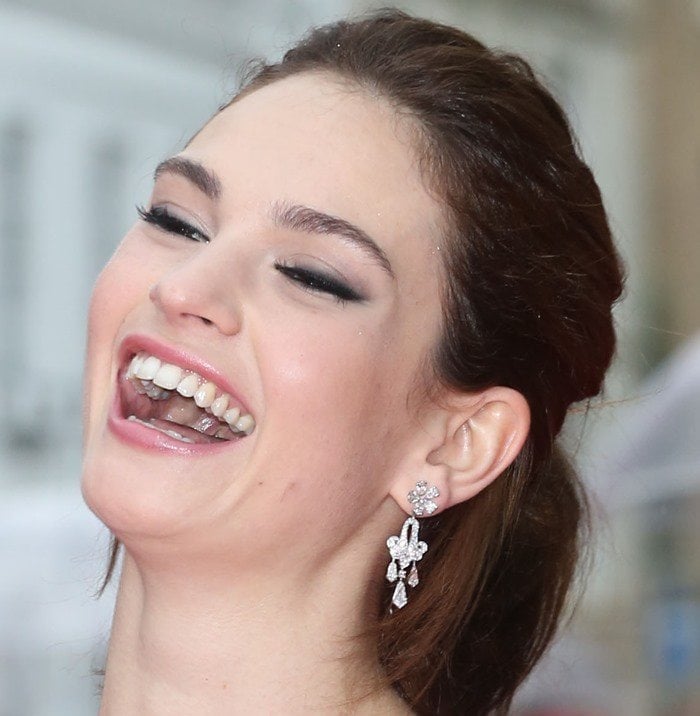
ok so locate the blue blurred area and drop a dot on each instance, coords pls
(93, 95)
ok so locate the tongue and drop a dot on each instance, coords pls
(177, 414)
(183, 411)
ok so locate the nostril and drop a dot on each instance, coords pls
(180, 301)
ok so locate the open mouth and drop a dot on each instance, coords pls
(180, 403)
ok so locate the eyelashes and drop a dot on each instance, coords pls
(159, 216)
(318, 282)
(307, 279)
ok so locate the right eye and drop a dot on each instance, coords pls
(160, 217)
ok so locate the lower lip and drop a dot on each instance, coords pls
(138, 435)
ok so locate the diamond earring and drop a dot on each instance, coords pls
(406, 549)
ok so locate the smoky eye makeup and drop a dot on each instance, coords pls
(316, 281)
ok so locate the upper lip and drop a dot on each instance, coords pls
(136, 342)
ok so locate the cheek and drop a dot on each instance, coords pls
(102, 304)
(335, 400)
(119, 287)
(328, 375)
(123, 283)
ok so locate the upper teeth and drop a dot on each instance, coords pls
(153, 372)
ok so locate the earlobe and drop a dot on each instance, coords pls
(481, 442)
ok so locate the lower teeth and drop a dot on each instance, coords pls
(177, 436)
(171, 433)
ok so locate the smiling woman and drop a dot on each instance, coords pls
(336, 350)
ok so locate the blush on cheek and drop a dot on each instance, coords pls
(122, 276)
(102, 322)
(98, 315)
(115, 292)
(104, 293)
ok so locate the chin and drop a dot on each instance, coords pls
(136, 494)
(127, 500)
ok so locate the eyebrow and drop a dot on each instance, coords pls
(204, 179)
(297, 217)
(294, 217)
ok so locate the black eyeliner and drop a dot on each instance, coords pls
(315, 281)
(161, 218)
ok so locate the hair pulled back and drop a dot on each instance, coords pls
(530, 276)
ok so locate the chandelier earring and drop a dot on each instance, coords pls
(406, 549)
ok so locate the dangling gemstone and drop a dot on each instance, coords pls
(413, 576)
(400, 599)
(391, 571)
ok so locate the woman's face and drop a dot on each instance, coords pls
(316, 327)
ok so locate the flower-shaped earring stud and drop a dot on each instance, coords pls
(421, 497)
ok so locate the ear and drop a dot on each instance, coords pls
(466, 445)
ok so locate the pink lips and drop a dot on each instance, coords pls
(139, 435)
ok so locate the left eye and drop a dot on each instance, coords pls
(319, 283)
(159, 216)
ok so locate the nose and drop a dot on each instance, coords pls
(193, 293)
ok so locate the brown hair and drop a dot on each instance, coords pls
(531, 275)
(530, 278)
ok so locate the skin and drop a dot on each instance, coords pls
(249, 571)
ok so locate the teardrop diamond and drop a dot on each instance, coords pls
(400, 599)
(413, 576)
(391, 571)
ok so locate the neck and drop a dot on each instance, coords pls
(186, 643)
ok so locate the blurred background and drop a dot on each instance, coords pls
(94, 94)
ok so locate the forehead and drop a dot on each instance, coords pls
(315, 140)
